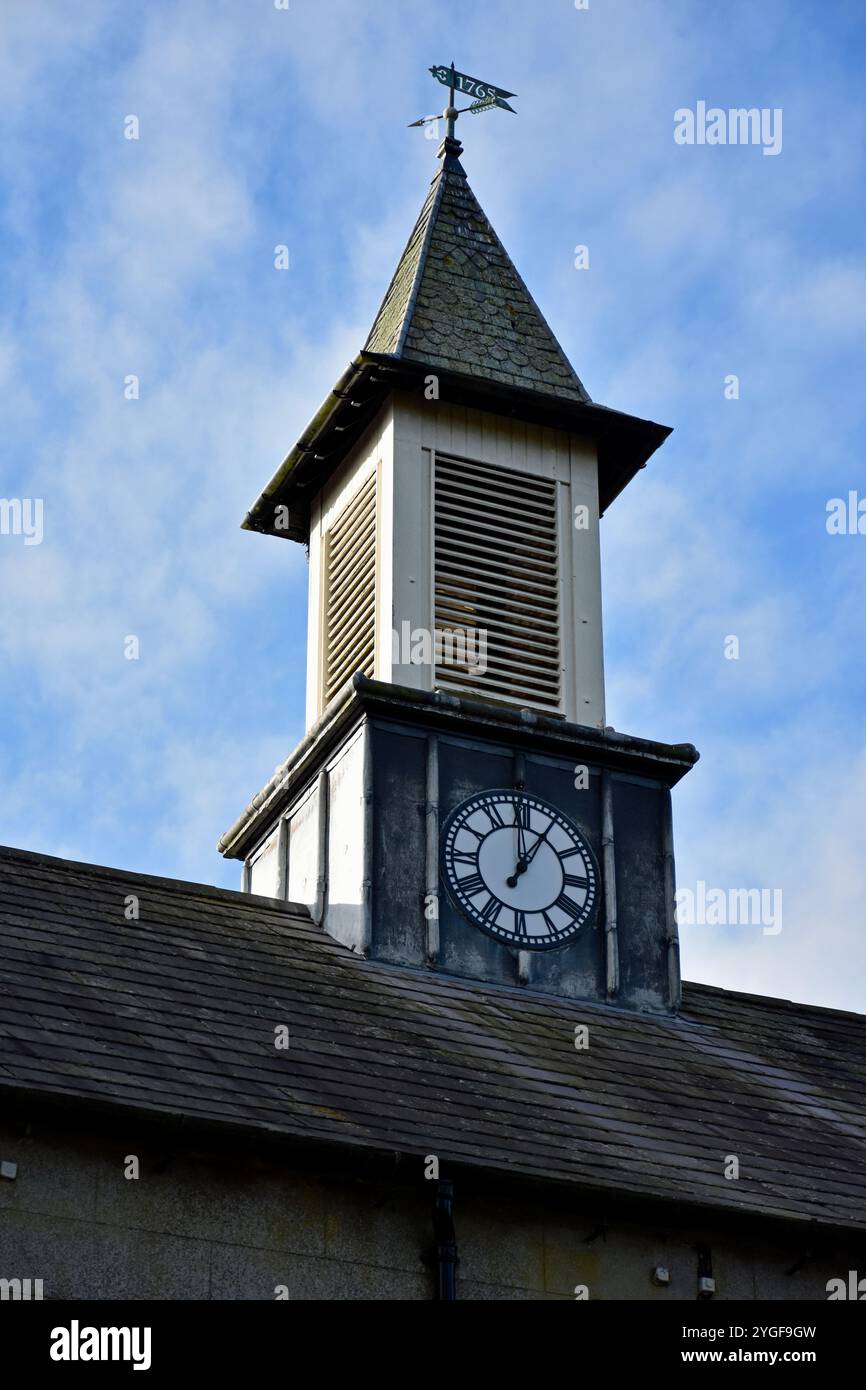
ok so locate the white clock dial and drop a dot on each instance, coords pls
(519, 869)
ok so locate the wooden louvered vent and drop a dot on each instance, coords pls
(350, 591)
(497, 581)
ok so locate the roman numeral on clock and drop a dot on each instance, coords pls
(471, 884)
(575, 881)
(470, 829)
(566, 905)
(490, 910)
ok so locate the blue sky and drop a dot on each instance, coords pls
(155, 257)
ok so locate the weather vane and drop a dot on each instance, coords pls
(486, 97)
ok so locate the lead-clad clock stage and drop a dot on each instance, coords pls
(519, 869)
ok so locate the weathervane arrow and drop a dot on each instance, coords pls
(485, 96)
(424, 120)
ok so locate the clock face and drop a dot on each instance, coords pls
(519, 869)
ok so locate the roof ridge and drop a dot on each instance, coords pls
(439, 181)
(532, 300)
(426, 217)
(800, 1005)
(12, 854)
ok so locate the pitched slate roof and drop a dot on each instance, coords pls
(174, 1014)
(457, 302)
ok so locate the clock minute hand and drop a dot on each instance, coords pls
(521, 840)
(520, 866)
(535, 848)
(524, 862)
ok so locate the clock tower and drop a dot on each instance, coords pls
(458, 802)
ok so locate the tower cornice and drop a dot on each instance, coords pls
(625, 442)
(466, 716)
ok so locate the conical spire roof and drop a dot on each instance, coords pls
(456, 306)
(457, 302)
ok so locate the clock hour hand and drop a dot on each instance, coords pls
(535, 848)
(520, 868)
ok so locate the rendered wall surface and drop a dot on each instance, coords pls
(195, 1226)
(265, 868)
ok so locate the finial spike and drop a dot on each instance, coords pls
(449, 152)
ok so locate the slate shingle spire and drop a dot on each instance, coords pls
(457, 302)
(458, 309)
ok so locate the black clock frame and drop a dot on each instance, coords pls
(557, 814)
